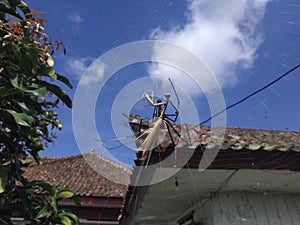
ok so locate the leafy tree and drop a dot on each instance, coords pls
(29, 97)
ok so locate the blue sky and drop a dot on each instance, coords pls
(245, 43)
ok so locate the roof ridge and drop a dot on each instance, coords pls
(257, 129)
(83, 155)
(137, 116)
(110, 161)
(59, 157)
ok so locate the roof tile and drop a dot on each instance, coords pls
(76, 173)
(232, 138)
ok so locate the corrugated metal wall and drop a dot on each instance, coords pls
(255, 209)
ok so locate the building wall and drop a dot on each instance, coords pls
(250, 209)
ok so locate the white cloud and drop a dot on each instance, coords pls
(76, 66)
(222, 33)
(93, 74)
(75, 17)
(83, 70)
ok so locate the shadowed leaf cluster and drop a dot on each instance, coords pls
(29, 97)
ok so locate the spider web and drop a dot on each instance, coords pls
(276, 108)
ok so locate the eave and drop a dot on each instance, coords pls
(256, 152)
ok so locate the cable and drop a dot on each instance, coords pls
(250, 95)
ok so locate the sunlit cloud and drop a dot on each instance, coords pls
(76, 66)
(93, 74)
(224, 34)
(86, 69)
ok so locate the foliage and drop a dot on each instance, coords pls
(29, 97)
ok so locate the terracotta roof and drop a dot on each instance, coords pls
(76, 173)
(248, 139)
(230, 138)
(239, 147)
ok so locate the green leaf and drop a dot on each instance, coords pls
(42, 213)
(12, 66)
(45, 70)
(10, 11)
(36, 157)
(4, 91)
(24, 197)
(64, 195)
(45, 186)
(60, 93)
(26, 63)
(53, 77)
(31, 52)
(25, 162)
(35, 89)
(65, 220)
(3, 178)
(24, 106)
(14, 81)
(22, 119)
(64, 80)
(76, 200)
(25, 9)
(70, 215)
(53, 203)
(33, 105)
(39, 92)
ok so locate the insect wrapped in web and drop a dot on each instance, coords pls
(158, 133)
(161, 132)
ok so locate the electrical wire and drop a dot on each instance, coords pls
(217, 114)
(252, 94)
